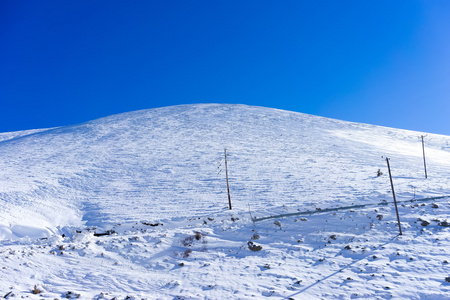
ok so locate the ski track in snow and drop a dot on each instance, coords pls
(165, 167)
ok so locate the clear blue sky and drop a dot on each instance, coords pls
(381, 62)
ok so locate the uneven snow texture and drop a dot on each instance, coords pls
(164, 167)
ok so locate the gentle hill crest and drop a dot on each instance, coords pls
(165, 163)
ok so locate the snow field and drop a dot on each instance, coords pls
(154, 181)
(338, 255)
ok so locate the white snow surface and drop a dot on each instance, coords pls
(153, 181)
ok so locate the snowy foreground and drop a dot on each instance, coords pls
(134, 206)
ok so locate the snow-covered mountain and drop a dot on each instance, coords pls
(165, 167)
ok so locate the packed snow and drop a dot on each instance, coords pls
(135, 206)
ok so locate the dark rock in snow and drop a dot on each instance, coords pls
(425, 223)
(72, 295)
(254, 247)
(255, 236)
(152, 224)
(108, 232)
(444, 224)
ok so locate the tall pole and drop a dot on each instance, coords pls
(424, 162)
(228, 186)
(393, 194)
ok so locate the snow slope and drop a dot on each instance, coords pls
(156, 179)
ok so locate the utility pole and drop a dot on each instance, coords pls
(424, 162)
(393, 194)
(228, 186)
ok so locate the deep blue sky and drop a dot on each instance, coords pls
(381, 62)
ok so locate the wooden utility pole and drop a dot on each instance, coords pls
(424, 162)
(393, 194)
(226, 172)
